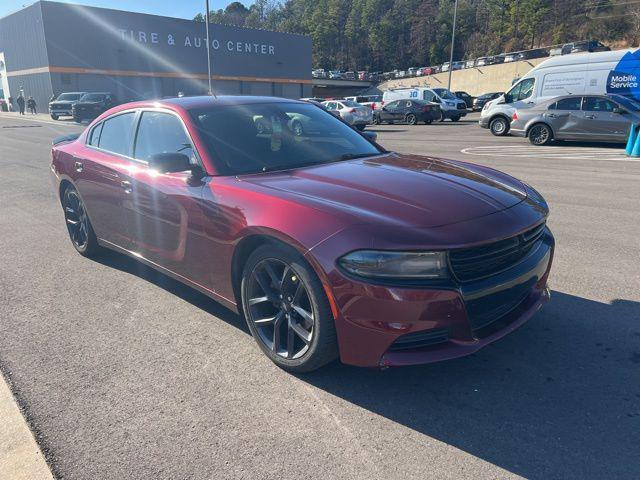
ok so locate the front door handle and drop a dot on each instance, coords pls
(126, 185)
(79, 166)
(590, 116)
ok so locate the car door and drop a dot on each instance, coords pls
(600, 121)
(565, 118)
(102, 165)
(164, 208)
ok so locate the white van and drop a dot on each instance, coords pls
(597, 73)
(451, 106)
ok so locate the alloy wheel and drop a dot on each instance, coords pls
(280, 309)
(539, 135)
(76, 218)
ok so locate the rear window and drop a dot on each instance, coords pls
(117, 134)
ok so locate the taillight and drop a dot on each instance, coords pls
(426, 108)
(515, 116)
(373, 106)
(353, 110)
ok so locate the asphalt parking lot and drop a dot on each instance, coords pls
(124, 373)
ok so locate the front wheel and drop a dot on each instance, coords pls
(79, 226)
(499, 126)
(455, 118)
(428, 122)
(540, 134)
(54, 116)
(287, 310)
(376, 120)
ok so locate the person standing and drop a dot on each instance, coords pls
(20, 102)
(31, 105)
(10, 99)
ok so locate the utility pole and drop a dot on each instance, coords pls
(206, 19)
(453, 39)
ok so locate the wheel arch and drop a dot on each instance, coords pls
(64, 184)
(500, 115)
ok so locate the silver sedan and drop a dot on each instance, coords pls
(591, 118)
(351, 112)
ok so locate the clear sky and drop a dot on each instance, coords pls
(169, 8)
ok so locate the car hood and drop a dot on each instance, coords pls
(399, 190)
(86, 104)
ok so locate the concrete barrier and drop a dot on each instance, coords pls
(475, 81)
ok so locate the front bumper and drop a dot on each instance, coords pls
(380, 326)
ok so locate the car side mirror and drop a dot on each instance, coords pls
(507, 99)
(373, 136)
(620, 111)
(174, 163)
(436, 100)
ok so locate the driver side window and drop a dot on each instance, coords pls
(522, 90)
(160, 132)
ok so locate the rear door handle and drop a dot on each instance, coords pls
(79, 166)
(126, 185)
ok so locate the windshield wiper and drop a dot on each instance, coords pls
(352, 156)
(346, 156)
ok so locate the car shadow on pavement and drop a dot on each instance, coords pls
(559, 398)
(197, 299)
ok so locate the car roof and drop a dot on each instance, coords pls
(222, 100)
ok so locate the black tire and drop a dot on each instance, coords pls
(455, 118)
(361, 127)
(411, 119)
(428, 122)
(276, 302)
(77, 119)
(376, 120)
(79, 227)
(540, 134)
(54, 116)
(499, 126)
(442, 117)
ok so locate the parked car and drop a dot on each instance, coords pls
(451, 107)
(319, 73)
(458, 65)
(62, 106)
(592, 118)
(411, 112)
(328, 249)
(482, 61)
(468, 99)
(335, 75)
(350, 76)
(480, 101)
(91, 105)
(496, 114)
(412, 71)
(588, 46)
(313, 99)
(469, 64)
(370, 101)
(351, 112)
(445, 67)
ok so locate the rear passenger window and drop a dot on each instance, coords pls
(161, 133)
(94, 136)
(571, 103)
(117, 134)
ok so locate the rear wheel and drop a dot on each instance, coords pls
(442, 116)
(428, 122)
(411, 119)
(287, 310)
(540, 134)
(79, 226)
(455, 118)
(376, 120)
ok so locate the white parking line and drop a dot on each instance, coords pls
(13, 116)
(557, 152)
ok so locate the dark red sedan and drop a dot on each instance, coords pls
(329, 245)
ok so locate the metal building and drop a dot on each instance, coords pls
(49, 48)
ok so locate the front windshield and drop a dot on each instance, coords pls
(444, 93)
(628, 103)
(92, 97)
(350, 103)
(69, 96)
(265, 137)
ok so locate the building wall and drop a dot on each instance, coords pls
(23, 43)
(475, 81)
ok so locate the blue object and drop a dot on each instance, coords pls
(635, 152)
(633, 132)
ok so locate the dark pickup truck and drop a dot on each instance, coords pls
(93, 104)
(63, 104)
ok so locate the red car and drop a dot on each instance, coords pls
(329, 245)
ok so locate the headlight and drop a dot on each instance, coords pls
(387, 264)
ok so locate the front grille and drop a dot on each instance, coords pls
(416, 340)
(470, 264)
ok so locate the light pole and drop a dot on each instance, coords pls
(206, 19)
(453, 39)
